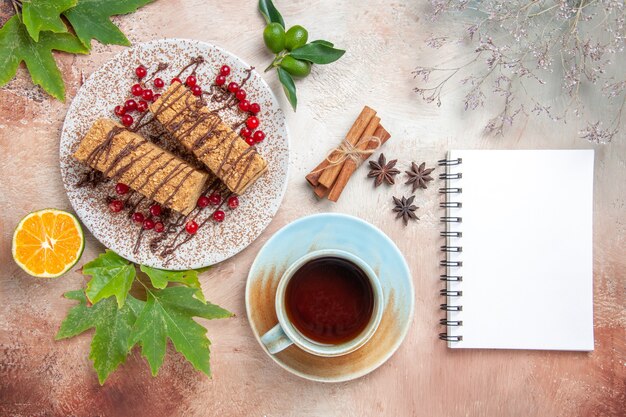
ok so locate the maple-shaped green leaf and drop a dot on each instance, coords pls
(169, 313)
(111, 275)
(91, 19)
(40, 15)
(16, 46)
(111, 340)
(161, 277)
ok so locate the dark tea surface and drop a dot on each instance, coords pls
(329, 300)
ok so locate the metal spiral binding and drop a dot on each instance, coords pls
(450, 204)
(447, 190)
(448, 248)
(449, 338)
(451, 176)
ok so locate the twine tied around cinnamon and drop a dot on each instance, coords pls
(346, 151)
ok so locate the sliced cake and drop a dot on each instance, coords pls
(201, 131)
(146, 168)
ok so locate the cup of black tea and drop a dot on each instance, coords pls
(329, 303)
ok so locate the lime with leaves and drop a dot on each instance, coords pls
(295, 67)
(296, 37)
(274, 37)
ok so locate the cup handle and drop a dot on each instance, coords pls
(276, 340)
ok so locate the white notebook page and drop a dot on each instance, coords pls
(527, 249)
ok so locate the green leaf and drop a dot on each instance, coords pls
(40, 15)
(318, 53)
(288, 86)
(169, 313)
(323, 42)
(270, 13)
(91, 20)
(16, 46)
(160, 278)
(111, 275)
(111, 340)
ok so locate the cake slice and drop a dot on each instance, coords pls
(201, 131)
(146, 168)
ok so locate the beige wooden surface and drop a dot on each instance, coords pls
(41, 377)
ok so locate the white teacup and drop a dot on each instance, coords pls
(284, 334)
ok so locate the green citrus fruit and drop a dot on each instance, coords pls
(296, 37)
(295, 67)
(274, 37)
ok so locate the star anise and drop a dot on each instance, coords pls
(405, 209)
(383, 170)
(419, 175)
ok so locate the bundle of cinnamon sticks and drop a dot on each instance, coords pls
(330, 177)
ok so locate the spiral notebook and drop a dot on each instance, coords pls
(518, 252)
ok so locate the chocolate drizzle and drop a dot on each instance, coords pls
(181, 237)
(91, 178)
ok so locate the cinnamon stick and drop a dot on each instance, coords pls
(329, 174)
(320, 191)
(313, 177)
(365, 143)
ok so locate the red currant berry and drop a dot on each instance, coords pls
(158, 83)
(142, 106)
(241, 94)
(116, 206)
(155, 210)
(147, 95)
(220, 80)
(233, 202)
(215, 199)
(245, 132)
(233, 87)
(252, 122)
(130, 105)
(255, 108)
(136, 90)
(191, 227)
(225, 70)
(127, 120)
(141, 72)
(259, 136)
(138, 217)
(121, 188)
(191, 81)
(148, 224)
(218, 216)
(250, 141)
(155, 97)
(203, 201)
(176, 80)
(119, 111)
(196, 90)
(159, 227)
(244, 105)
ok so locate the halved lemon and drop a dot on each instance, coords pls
(47, 243)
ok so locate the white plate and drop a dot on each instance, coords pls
(110, 86)
(350, 234)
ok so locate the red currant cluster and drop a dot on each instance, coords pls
(152, 222)
(142, 93)
(190, 82)
(248, 132)
(215, 199)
